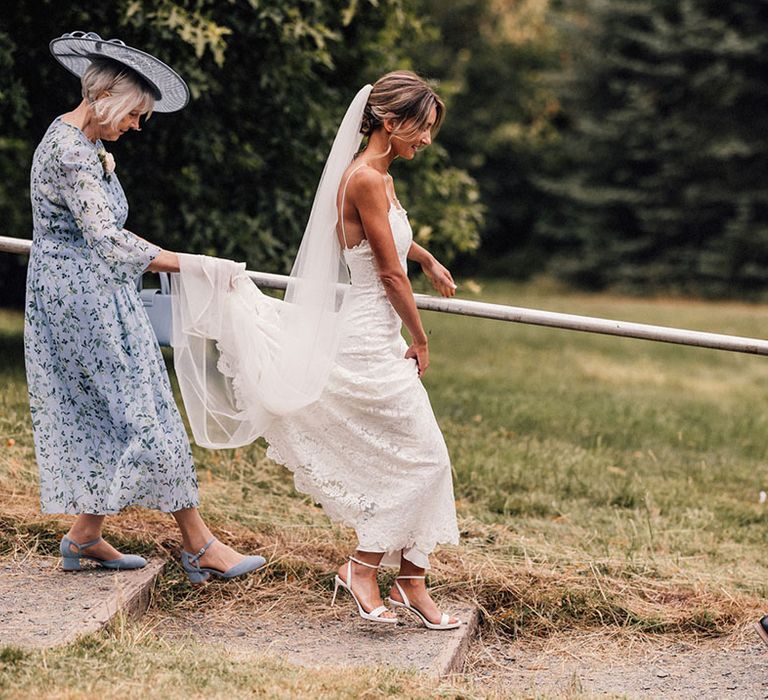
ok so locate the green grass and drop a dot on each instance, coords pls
(614, 447)
(135, 663)
(601, 483)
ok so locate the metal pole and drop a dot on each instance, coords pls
(14, 245)
(536, 317)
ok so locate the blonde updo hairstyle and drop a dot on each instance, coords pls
(405, 98)
(113, 91)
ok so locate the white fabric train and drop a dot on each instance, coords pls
(302, 339)
(226, 334)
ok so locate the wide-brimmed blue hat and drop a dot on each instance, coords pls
(76, 50)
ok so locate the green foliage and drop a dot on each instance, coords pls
(661, 184)
(615, 144)
(489, 56)
(234, 173)
(443, 205)
(14, 162)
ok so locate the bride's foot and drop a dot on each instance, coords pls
(364, 586)
(411, 591)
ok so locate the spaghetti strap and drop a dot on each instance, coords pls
(343, 196)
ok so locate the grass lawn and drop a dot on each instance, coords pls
(601, 483)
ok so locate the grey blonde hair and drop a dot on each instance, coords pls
(405, 98)
(114, 91)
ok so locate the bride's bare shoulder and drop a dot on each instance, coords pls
(364, 182)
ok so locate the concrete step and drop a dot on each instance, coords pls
(338, 638)
(43, 606)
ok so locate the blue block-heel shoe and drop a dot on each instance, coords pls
(198, 574)
(70, 561)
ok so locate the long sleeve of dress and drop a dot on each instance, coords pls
(124, 253)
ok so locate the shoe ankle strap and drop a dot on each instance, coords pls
(364, 563)
(413, 577)
(195, 558)
(81, 547)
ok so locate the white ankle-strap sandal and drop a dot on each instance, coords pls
(444, 617)
(376, 614)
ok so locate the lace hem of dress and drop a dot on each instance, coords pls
(415, 548)
(228, 365)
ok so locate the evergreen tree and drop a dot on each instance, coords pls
(662, 182)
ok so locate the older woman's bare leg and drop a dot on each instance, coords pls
(195, 535)
(87, 528)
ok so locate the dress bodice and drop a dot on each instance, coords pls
(78, 213)
(66, 166)
(360, 260)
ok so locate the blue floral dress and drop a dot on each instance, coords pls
(107, 431)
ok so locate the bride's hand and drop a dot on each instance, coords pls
(420, 353)
(440, 277)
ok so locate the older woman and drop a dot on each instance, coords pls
(107, 432)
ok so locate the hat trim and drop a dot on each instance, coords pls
(80, 53)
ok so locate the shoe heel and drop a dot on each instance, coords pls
(70, 563)
(335, 591)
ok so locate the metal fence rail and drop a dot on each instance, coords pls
(536, 317)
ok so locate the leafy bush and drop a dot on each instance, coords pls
(234, 173)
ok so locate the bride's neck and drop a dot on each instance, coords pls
(378, 151)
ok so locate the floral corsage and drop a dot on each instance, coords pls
(107, 163)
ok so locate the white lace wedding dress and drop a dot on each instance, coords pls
(370, 450)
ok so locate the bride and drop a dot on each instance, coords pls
(325, 376)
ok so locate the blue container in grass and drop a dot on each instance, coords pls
(157, 303)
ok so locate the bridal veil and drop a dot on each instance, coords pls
(241, 357)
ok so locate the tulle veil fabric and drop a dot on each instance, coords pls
(242, 357)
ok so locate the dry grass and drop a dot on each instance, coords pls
(521, 595)
(580, 507)
(132, 661)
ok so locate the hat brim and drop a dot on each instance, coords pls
(76, 53)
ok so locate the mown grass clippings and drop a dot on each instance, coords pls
(601, 484)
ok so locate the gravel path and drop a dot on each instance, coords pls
(43, 606)
(337, 638)
(580, 665)
(734, 668)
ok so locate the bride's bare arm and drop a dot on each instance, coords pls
(437, 274)
(368, 193)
